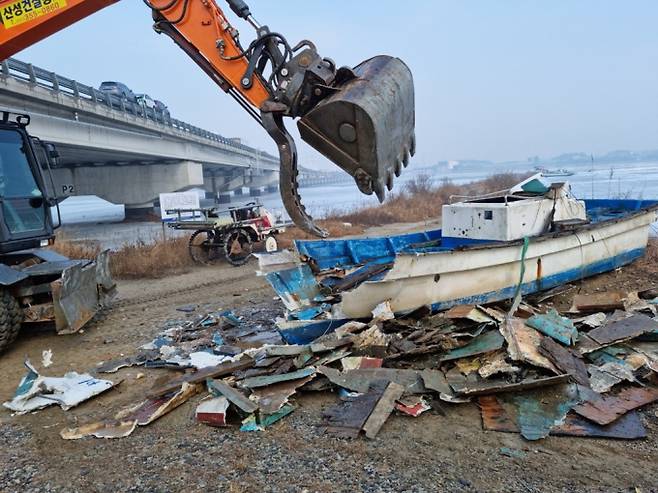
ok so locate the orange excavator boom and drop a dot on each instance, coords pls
(361, 118)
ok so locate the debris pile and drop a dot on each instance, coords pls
(530, 369)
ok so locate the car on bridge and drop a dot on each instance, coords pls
(118, 89)
(162, 108)
(146, 101)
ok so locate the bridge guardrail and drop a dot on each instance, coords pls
(29, 73)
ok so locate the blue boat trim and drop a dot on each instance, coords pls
(310, 332)
(547, 282)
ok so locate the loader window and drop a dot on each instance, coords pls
(22, 201)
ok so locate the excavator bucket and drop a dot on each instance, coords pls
(367, 126)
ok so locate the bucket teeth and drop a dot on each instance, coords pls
(380, 192)
(389, 181)
(398, 168)
(412, 145)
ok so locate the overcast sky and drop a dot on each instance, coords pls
(500, 80)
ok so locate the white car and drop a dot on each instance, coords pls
(146, 101)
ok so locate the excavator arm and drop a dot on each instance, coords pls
(361, 118)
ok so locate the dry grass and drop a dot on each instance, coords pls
(652, 251)
(421, 200)
(139, 261)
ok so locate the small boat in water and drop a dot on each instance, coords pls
(532, 238)
(554, 172)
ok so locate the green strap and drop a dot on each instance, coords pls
(517, 293)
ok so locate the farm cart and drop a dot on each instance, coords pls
(230, 233)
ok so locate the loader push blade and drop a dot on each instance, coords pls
(367, 126)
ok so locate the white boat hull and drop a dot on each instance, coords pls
(493, 272)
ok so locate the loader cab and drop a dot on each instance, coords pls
(25, 220)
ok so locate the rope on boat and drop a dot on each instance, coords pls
(517, 293)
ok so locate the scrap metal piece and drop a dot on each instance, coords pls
(200, 376)
(383, 409)
(36, 391)
(494, 364)
(627, 427)
(75, 298)
(523, 343)
(347, 419)
(494, 416)
(219, 388)
(599, 302)
(592, 321)
(604, 409)
(566, 360)
(361, 380)
(212, 412)
(436, 380)
(264, 381)
(606, 376)
(142, 414)
(471, 389)
(484, 343)
(359, 362)
(541, 410)
(253, 423)
(469, 312)
(553, 325)
(623, 330)
(272, 398)
(414, 406)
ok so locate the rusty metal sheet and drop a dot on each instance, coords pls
(627, 427)
(383, 409)
(599, 302)
(413, 406)
(523, 343)
(553, 325)
(359, 362)
(347, 418)
(75, 298)
(604, 409)
(495, 363)
(623, 330)
(565, 359)
(484, 343)
(494, 416)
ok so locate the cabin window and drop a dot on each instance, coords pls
(488, 215)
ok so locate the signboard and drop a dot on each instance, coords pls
(178, 200)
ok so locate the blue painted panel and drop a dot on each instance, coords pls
(309, 333)
(347, 253)
(298, 282)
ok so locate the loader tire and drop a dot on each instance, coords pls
(11, 317)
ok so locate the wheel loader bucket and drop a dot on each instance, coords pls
(367, 126)
(80, 292)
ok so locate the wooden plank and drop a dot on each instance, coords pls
(383, 409)
(233, 395)
(200, 376)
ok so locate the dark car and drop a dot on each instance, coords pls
(161, 108)
(118, 89)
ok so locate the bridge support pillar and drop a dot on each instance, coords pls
(255, 192)
(238, 192)
(135, 186)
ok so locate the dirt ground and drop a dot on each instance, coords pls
(434, 452)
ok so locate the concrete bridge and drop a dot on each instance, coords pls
(122, 151)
